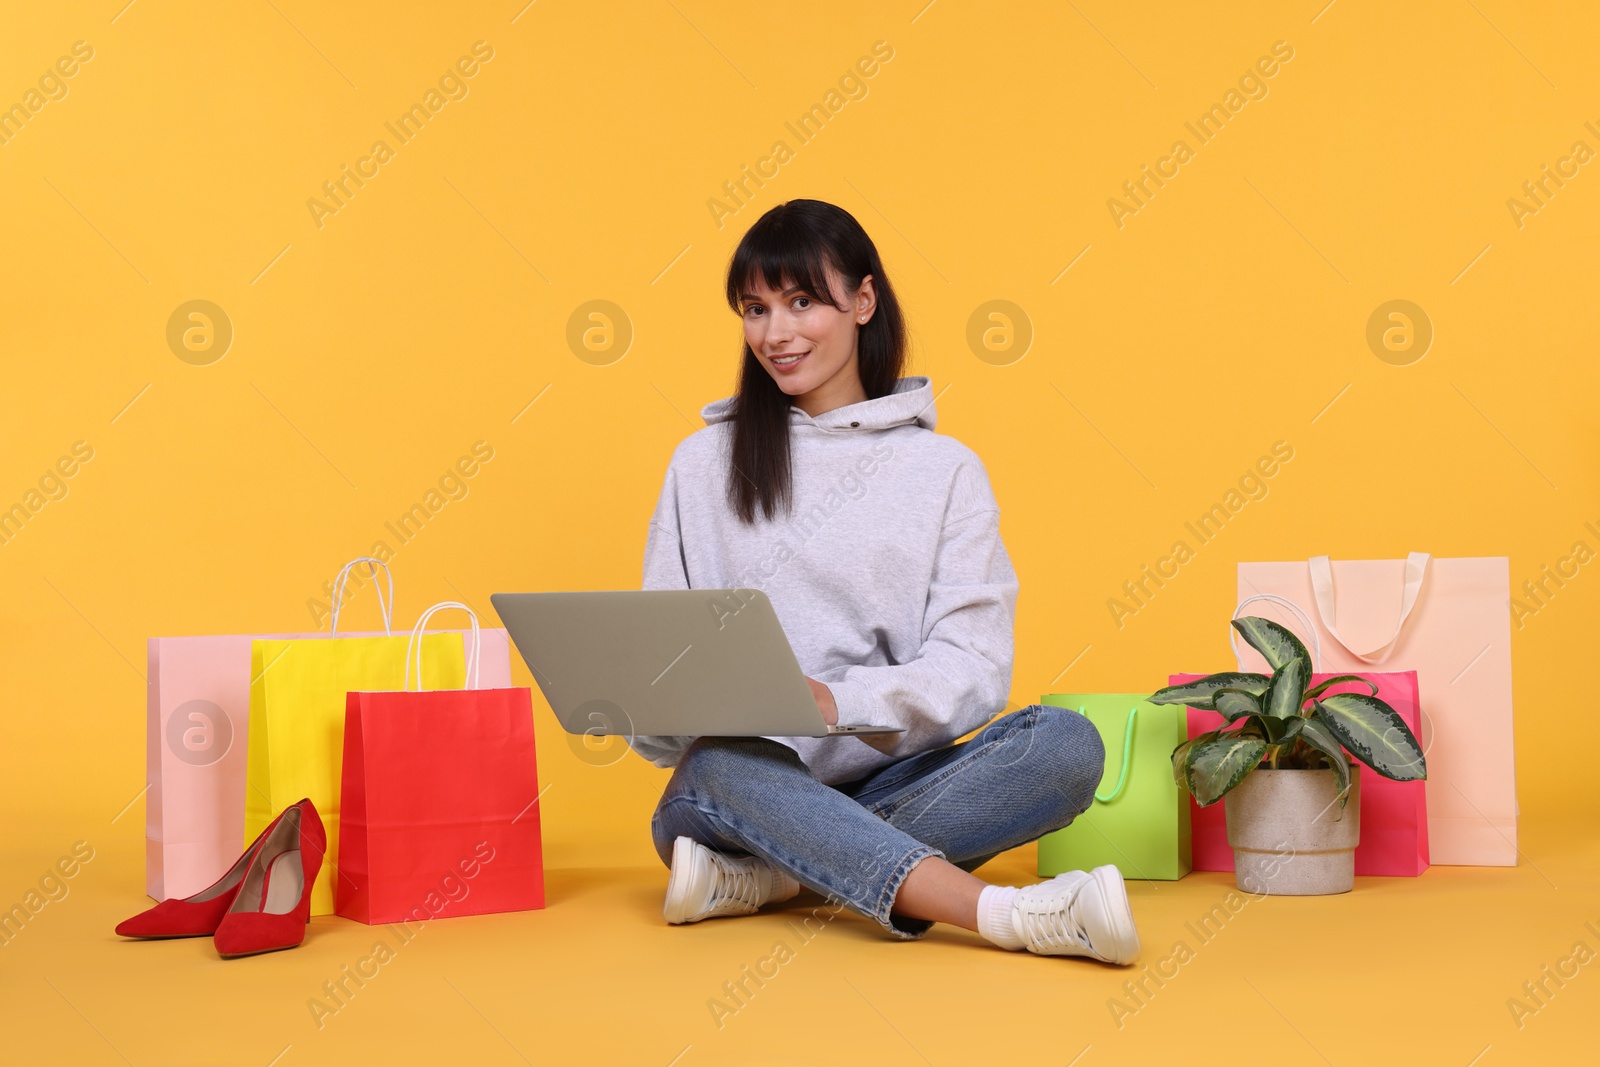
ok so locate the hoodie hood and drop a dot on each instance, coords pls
(910, 403)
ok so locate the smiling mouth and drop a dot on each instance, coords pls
(788, 361)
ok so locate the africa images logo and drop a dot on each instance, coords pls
(199, 732)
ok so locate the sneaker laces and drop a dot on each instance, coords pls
(736, 883)
(1045, 920)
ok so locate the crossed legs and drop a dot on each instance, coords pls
(899, 845)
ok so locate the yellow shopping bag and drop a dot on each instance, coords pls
(297, 700)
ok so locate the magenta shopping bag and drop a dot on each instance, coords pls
(1394, 816)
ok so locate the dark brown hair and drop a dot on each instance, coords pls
(792, 245)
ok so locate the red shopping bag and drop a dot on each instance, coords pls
(1394, 816)
(439, 814)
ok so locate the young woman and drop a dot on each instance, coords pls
(877, 540)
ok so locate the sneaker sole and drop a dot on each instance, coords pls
(1115, 894)
(673, 908)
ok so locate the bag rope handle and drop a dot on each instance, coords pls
(1127, 755)
(384, 606)
(416, 644)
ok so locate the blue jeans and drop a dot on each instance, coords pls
(1020, 777)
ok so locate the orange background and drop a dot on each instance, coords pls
(431, 311)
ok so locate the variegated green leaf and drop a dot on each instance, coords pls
(1249, 726)
(1180, 755)
(1277, 645)
(1288, 689)
(1199, 694)
(1235, 704)
(1282, 732)
(1322, 687)
(1319, 737)
(1217, 766)
(1375, 734)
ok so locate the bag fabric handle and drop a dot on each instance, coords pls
(416, 644)
(384, 606)
(1322, 590)
(1127, 754)
(1294, 609)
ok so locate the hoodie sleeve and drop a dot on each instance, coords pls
(664, 568)
(961, 675)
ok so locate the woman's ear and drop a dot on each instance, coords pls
(866, 300)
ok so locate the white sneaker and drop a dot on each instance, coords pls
(1079, 913)
(706, 884)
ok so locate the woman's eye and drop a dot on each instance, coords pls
(799, 300)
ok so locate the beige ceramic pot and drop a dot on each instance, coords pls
(1288, 835)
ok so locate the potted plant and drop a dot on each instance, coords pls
(1280, 761)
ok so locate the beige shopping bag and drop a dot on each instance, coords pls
(1448, 620)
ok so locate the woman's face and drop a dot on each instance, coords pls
(807, 344)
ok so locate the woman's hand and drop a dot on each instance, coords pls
(830, 715)
(824, 698)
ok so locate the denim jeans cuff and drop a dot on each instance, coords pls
(898, 925)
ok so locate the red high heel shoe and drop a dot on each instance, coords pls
(199, 914)
(272, 906)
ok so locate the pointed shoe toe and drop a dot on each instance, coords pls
(253, 933)
(199, 914)
(273, 904)
(177, 918)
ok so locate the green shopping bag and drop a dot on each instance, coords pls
(1139, 820)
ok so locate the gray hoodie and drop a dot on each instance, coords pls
(889, 576)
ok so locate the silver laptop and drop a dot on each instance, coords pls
(666, 661)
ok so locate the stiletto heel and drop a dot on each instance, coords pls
(272, 907)
(196, 915)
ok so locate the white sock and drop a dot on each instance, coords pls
(784, 886)
(994, 916)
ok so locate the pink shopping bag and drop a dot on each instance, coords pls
(196, 728)
(1394, 819)
(1446, 619)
